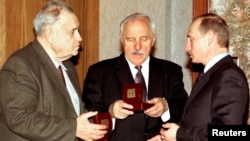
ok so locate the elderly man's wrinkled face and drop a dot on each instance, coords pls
(137, 39)
(65, 40)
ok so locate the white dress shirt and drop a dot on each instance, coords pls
(215, 60)
(73, 95)
(145, 72)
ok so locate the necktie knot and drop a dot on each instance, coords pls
(60, 69)
(138, 67)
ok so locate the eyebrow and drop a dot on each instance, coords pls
(76, 28)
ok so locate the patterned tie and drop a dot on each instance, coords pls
(139, 79)
(61, 73)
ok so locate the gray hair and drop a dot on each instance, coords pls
(137, 16)
(48, 15)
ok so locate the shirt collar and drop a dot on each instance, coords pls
(215, 60)
(56, 63)
(145, 64)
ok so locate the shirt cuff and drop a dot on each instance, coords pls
(165, 116)
(113, 123)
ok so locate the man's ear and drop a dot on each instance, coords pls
(121, 39)
(211, 37)
(49, 34)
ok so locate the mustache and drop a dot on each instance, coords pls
(139, 52)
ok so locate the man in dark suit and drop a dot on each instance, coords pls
(35, 102)
(165, 89)
(221, 95)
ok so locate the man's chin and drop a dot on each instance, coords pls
(75, 53)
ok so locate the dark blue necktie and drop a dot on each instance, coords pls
(200, 75)
(140, 79)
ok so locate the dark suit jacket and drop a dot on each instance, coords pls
(220, 97)
(103, 86)
(35, 104)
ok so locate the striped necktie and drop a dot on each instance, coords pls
(140, 79)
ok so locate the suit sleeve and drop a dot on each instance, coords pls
(92, 93)
(229, 95)
(25, 116)
(230, 98)
(178, 96)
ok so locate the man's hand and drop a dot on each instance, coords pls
(120, 110)
(170, 133)
(89, 131)
(155, 138)
(160, 105)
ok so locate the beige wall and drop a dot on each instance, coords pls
(172, 18)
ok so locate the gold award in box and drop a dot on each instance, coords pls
(132, 94)
(104, 119)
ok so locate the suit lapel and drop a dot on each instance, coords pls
(74, 80)
(197, 87)
(155, 83)
(51, 71)
(206, 77)
(123, 71)
(125, 76)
